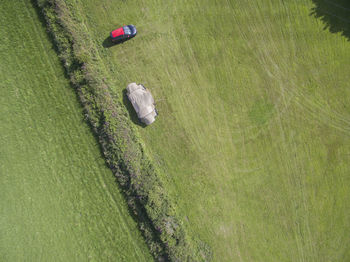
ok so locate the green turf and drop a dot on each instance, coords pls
(254, 119)
(58, 200)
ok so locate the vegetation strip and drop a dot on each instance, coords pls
(148, 201)
(57, 196)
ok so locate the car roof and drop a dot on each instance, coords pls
(117, 32)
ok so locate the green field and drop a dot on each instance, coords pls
(254, 125)
(253, 136)
(58, 200)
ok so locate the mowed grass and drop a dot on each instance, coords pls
(253, 134)
(58, 200)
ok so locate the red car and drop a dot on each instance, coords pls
(123, 33)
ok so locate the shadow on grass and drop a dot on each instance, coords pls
(50, 36)
(107, 43)
(335, 14)
(131, 110)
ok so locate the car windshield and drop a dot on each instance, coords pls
(127, 30)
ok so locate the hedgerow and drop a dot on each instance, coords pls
(124, 152)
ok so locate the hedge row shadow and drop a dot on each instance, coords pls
(335, 14)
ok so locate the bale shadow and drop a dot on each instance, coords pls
(107, 43)
(335, 14)
(131, 110)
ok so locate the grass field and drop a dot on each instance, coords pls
(58, 200)
(254, 126)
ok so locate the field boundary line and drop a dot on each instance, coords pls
(139, 179)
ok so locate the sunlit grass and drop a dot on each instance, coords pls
(254, 119)
(59, 201)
